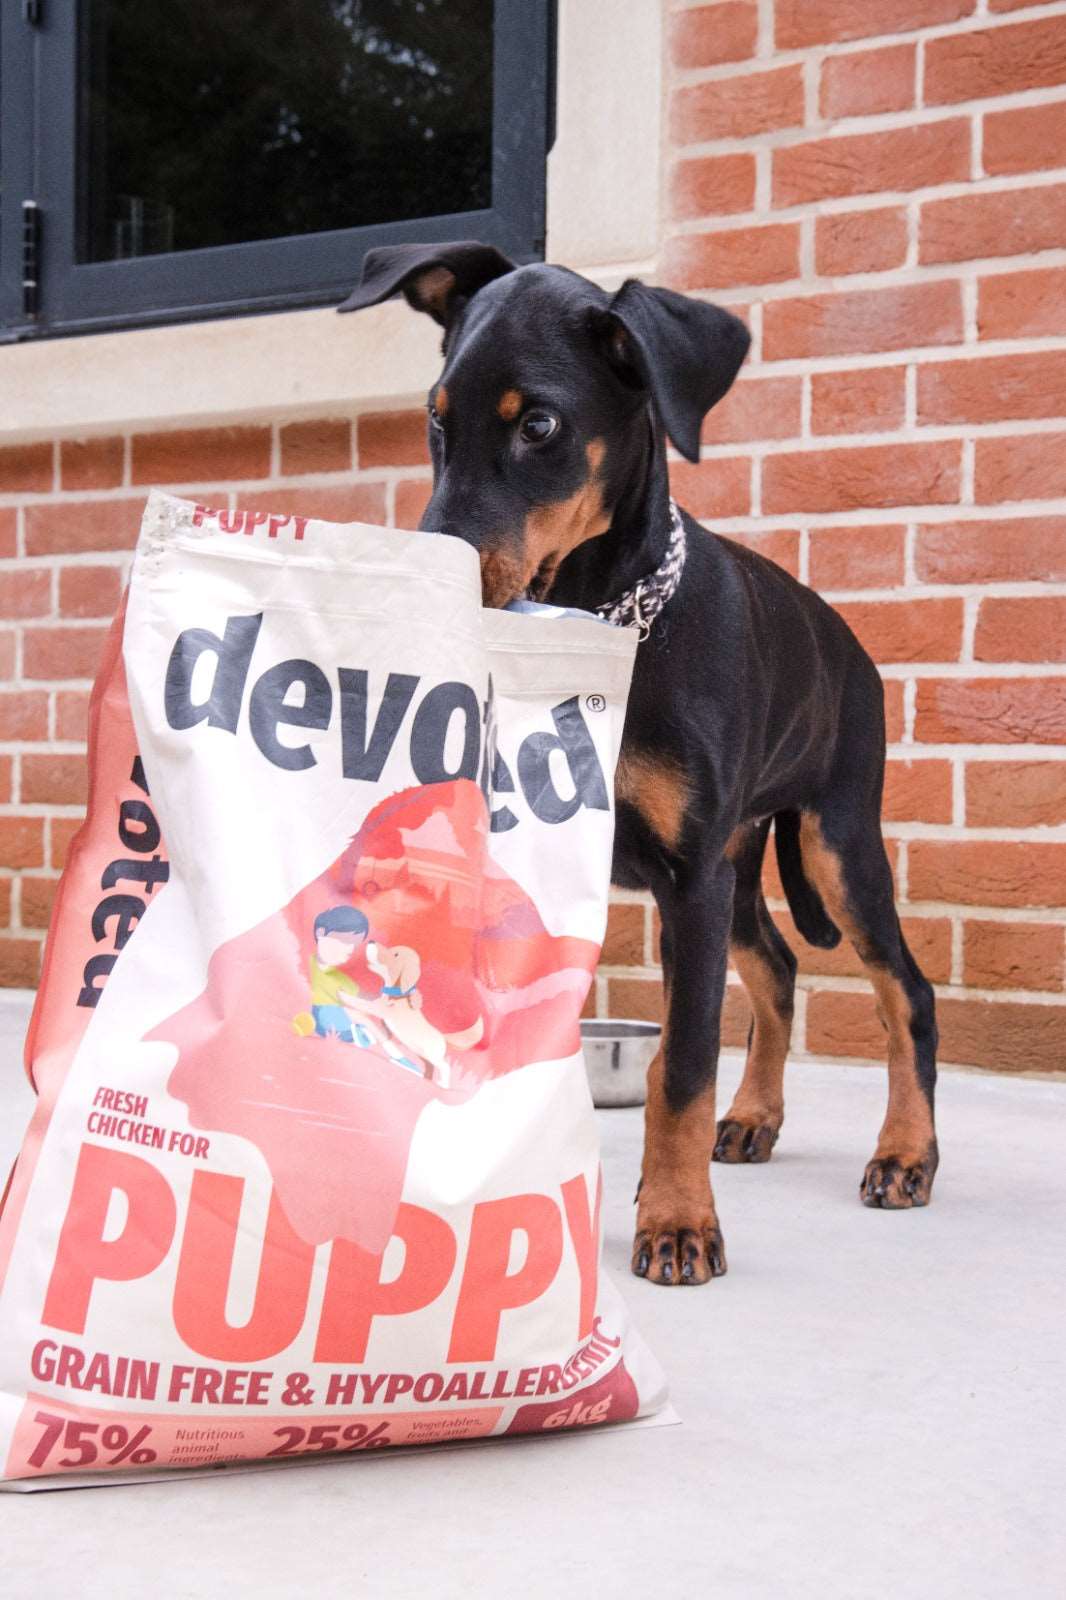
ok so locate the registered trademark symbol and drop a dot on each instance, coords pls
(595, 702)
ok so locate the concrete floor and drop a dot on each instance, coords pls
(871, 1402)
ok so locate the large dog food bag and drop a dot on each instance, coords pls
(314, 1166)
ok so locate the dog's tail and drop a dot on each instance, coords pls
(469, 1036)
(804, 901)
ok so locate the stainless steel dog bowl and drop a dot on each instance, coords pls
(617, 1056)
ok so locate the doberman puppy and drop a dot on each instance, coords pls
(752, 702)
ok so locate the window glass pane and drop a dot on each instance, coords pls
(215, 122)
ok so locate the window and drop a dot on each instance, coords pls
(163, 160)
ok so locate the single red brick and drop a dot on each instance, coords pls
(736, 1018)
(85, 525)
(860, 400)
(860, 241)
(987, 872)
(38, 897)
(1013, 955)
(91, 463)
(799, 23)
(64, 830)
(856, 558)
(717, 487)
(392, 439)
(26, 467)
(757, 408)
(737, 108)
(5, 901)
(1026, 139)
(991, 711)
(1017, 5)
(916, 157)
(58, 780)
(412, 498)
(24, 714)
(780, 545)
(640, 999)
(893, 710)
(347, 502)
(7, 653)
(1015, 794)
(1009, 222)
(72, 714)
(21, 841)
(324, 445)
(917, 791)
(709, 186)
(8, 531)
(6, 786)
(59, 652)
(623, 944)
(993, 388)
(929, 941)
(996, 60)
(1024, 467)
(844, 1023)
(862, 321)
(26, 592)
(20, 963)
(726, 259)
(906, 630)
(710, 35)
(866, 475)
(1016, 629)
(1014, 550)
(1022, 305)
(195, 455)
(864, 82)
(1003, 1035)
(89, 591)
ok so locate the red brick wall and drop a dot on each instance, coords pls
(880, 186)
(872, 182)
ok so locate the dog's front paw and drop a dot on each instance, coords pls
(897, 1182)
(740, 1140)
(679, 1247)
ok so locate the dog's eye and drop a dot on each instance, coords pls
(538, 426)
(434, 418)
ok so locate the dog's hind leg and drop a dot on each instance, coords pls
(845, 855)
(767, 969)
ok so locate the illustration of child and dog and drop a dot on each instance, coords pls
(391, 1020)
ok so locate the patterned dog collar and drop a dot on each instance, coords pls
(638, 607)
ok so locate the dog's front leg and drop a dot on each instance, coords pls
(678, 1240)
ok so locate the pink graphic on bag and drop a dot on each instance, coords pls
(413, 969)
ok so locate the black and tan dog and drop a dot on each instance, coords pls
(752, 701)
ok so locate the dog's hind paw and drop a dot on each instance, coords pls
(893, 1183)
(739, 1141)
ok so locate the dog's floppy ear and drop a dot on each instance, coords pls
(408, 967)
(685, 352)
(436, 278)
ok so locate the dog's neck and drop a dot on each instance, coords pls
(636, 541)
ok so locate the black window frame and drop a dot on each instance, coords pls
(46, 293)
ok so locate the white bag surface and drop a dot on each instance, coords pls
(314, 1166)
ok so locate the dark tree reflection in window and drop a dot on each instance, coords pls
(216, 122)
